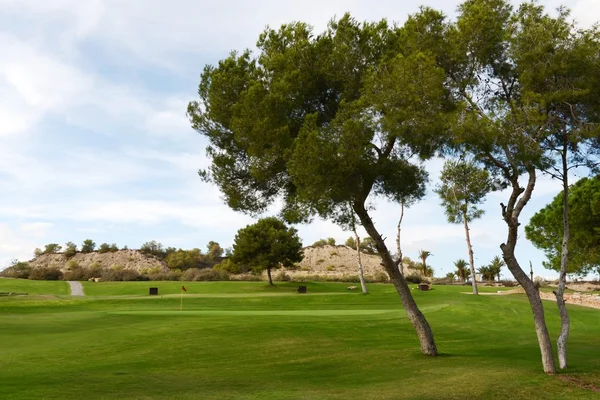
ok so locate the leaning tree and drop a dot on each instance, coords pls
(500, 69)
(324, 124)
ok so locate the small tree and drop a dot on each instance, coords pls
(88, 246)
(496, 266)
(424, 255)
(214, 251)
(267, 245)
(461, 267)
(331, 241)
(37, 252)
(463, 187)
(104, 248)
(113, 248)
(52, 248)
(154, 248)
(351, 242)
(70, 249)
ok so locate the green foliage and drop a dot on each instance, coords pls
(450, 276)
(17, 269)
(463, 187)
(414, 278)
(320, 243)
(88, 246)
(104, 248)
(113, 248)
(37, 252)
(368, 246)
(47, 274)
(70, 249)
(229, 266)
(545, 228)
(351, 242)
(153, 248)
(462, 269)
(215, 252)
(52, 248)
(185, 259)
(330, 268)
(268, 244)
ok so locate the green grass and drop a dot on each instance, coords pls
(245, 340)
(34, 287)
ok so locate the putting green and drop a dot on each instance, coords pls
(315, 313)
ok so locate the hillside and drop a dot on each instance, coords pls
(126, 259)
(339, 261)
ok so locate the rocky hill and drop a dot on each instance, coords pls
(125, 259)
(324, 261)
(339, 261)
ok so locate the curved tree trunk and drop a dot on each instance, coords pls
(561, 342)
(510, 214)
(415, 316)
(471, 260)
(269, 274)
(398, 246)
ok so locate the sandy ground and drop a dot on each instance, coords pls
(581, 299)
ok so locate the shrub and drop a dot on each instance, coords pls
(320, 260)
(113, 248)
(508, 283)
(330, 268)
(88, 246)
(47, 274)
(70, 249)
(229, 266)
(245, 277)
(37, 252)
(209, 274)
(20, 270)
(104, 248)
(333, 253)
(414, 278)
(119, 274)
(282, 277)
(381, 277)
(173, 275)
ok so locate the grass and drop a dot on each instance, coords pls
(34, 287)
(245, 340)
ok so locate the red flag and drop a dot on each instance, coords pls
(183, 288)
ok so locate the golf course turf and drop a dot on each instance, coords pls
(246, 340)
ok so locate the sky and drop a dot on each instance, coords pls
(95, 142)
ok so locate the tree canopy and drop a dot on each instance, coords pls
(266, 245)
(545, 228)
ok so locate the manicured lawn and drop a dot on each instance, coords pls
(244, 340)
(34, 287)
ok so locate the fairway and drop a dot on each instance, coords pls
(245, 340)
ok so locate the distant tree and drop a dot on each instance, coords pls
(153, 248)
(487, 273)
(368, 245)
(461, 267)
(52, 248)
(104, 248)
(424, 255)
(266, 245)
(88, 246)
(114, 248)
(463, 187)
(450, 276)
(319, 243)
(125, 248)
(350, 242)
(214, 251)
(70, 249)
(186, 259)
(331, 241)
(496, 266)
(545, 228)
(37, 252)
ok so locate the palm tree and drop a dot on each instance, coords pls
(423, 254)
(461, 268)
(495, 266)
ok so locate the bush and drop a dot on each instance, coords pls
(104, 248)
(229, 266)
(52, 248)
(381, 277)
(330, 268)
(414, 278)
(282, 277)
(46, 274)
(70, 249)
(508, 283)
(88, 246)
(20, 270)
(120, 274)
(174, 275)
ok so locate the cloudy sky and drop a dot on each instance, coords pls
(94, 141)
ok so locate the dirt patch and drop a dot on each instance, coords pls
(580, 383)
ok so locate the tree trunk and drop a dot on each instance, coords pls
(413, 313)
(471, 260)
(358, 259)
(565, 325)
(510, 215)
(269, 274)
(398, 247)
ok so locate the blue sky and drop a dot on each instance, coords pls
(94, 141)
